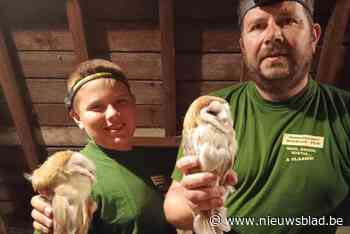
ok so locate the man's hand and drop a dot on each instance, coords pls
(42, 214)
(195, 192)
(200, 190)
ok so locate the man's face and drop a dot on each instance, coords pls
(278, 42)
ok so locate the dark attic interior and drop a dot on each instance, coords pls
(172, 52)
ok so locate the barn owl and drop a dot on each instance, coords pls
(66, 179)
(209, 135)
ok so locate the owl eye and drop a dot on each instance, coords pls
(212, 112)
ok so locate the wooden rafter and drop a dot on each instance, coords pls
(167, 27)
(16, 105)
(330, 59)
(76, 21)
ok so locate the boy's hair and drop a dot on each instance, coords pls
(89, 70)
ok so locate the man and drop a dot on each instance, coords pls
(293, 161)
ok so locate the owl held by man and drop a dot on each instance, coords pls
(209, 135)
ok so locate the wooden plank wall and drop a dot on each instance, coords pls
(127, 32)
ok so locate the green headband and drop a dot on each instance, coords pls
(68, 100)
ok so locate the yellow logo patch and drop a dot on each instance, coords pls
(303, 140)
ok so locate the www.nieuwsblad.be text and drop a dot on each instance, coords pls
(215, 220)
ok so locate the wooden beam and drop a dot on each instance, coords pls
(77, 28)
(16, 105)
(167, 28)
(331, 59)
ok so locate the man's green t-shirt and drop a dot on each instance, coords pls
(293, 161)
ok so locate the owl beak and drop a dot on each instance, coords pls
(44, 192)
(227, 124)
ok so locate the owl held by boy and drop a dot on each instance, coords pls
(66, 179)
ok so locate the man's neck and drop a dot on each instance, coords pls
(277, 95)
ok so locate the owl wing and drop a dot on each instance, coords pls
(62, 215)
(89, 206)
(189, 145)
(187, 142)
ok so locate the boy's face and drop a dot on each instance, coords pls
(105, 109)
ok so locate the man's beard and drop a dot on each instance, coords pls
(278, 84)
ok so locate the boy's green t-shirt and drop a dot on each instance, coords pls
(293, 160)
(128, 201)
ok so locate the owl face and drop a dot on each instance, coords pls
(60, 168)
(81, 165)
(218, 114)
(209, 135)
